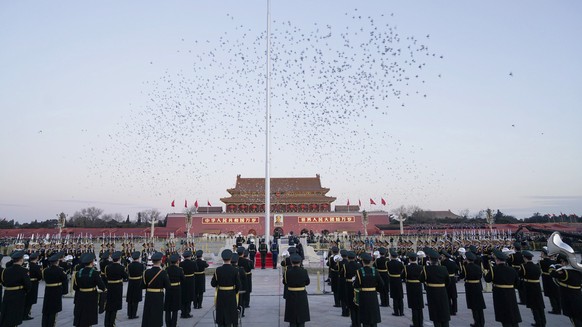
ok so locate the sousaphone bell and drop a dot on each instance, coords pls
(557, 246)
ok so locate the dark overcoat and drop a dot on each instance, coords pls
(134, 285)
(53, 275)
(173, 300)
(413, 286)
(85, 283)
(367, 282)
(16, 283)
(226, 280)
(296, 303)
(436, 279)
(504, 279)
(155, 280)
(115, 274)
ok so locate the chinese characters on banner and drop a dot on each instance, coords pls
(315, 220)
(230, 220)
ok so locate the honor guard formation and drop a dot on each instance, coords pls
(366, 278)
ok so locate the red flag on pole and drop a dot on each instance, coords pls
(196, 204)
(372, 201)
(383, 202)
(172, 203)
(348, 201)
(210, 205)
(185, 203)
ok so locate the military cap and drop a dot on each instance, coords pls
(33, 256)
(527, 254)
(234, 258)
(174, 258)
(157, 256)
(431, 253)
(246, 253)
(17, 255)
(292, 250)
(366, 257)
(335, 249)
(412, 255)
(226, 254)
(199, 253)
(135, 255)
(116, 255)
(295, 258)
(105, 255)
(382, 250)
(187, 254)
(240, 250)
(343, 252)
(562, 257)
(471, 256)
(87, 258)
(445, 253)
(351, 255)
(517, 245)
(499, 255)
(473, 249)
(393, 253)
(53, 258)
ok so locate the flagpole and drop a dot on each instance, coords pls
(267, 129)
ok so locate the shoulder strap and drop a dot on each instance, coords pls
(156, 276)
(359, 277)
(373, 272)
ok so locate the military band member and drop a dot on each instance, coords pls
(350, 272)
(252, 252)
(227, 283)
(234, 259)
(200, 279)
(551, 290)
(414, 296)
(333, 275)
(173, 299)
(395, 269)
(103, 262)
(16, 283)
(296, 303)
(134, 288)
(188, 286)
(155, 281)
(504, 279)
(436, 279)
(381, 267)
(366, 283)
(263, 252)
(472, 274)
(569, 281)
(531, 273)
(35, 274)
(342, 283)
(85, 283)
(56, 285)
(115, 275)
(453, 269)
(274, 252)
(246, 263)
(515, 260)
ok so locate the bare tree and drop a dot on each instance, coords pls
(464, 213)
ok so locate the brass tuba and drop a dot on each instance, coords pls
(557, 246)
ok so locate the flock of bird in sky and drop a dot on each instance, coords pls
(333, 90)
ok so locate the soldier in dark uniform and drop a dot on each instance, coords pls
(274, 252)
(200, 279)
(56, 285)
(333, 275)
(382, 269)
(243, 282)
(85, 283)
(286, 263)
(263, 252)
(414, 296)
(115, 274)
(35, 274)
(436, 279)
(350, 272)
(134, 288)
(453, 269)
(296, 303)
(103, 262)
(248, 267)
(173, 300)
(188, 286)
(367, 282)
(551, 290)
(227, 284)
(569, 281)
(16, 283)
(155, 281)
(342, 283)
(531, 273)
(472, 274)
(504, 279)
(395, 269)
(515, 260)
(252, 252)
(239, 240)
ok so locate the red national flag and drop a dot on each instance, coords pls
(372, 201)
(196, 204)
(185, 203)
(210, 205)
(172, 203)
(383, 202)
(348, 201)
(359, 202)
